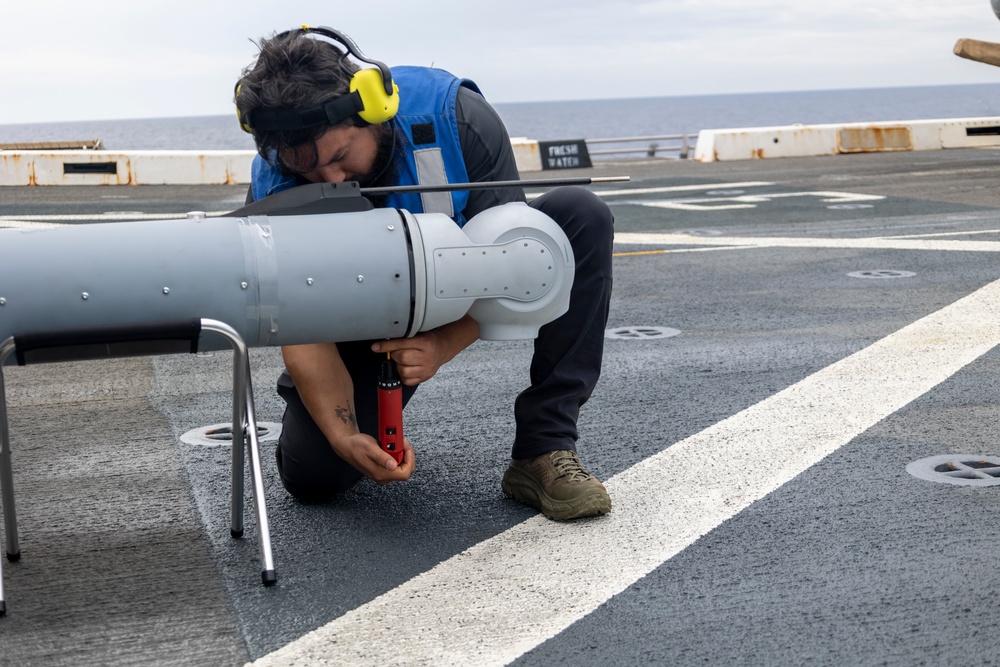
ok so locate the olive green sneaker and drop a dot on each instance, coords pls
(558, 485)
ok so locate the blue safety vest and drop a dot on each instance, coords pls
(432, 153)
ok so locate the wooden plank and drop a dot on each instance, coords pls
(973, 49)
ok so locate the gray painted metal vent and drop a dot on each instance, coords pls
(881, 274)
(640, 333)
(221, 435)
(960, 469)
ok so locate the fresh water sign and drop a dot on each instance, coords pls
(568, 154)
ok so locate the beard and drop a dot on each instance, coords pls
(385, 169)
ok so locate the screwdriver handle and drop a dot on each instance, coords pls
(390, 411)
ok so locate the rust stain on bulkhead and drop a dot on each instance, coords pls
(874, 139)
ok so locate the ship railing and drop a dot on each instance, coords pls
(79, 144)
(652, 148)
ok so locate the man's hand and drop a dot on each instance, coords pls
(327, 392)
(363, 452)
(417, 358)
(420, 357)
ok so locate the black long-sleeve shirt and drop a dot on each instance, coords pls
(487, 151)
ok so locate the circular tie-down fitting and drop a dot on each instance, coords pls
(221, 435)
(881, 274)
(958, 469)
(640, 333)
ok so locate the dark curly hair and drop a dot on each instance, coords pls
(293, 70)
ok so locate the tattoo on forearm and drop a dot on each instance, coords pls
(346, 415)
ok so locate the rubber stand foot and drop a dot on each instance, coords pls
(3, 608)
(269, 577)
(13, 558)
(237, 534)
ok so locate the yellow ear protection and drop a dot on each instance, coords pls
(239, 116)
(372, 96)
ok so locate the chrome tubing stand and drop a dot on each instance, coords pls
(159, 338)
(244, 431)
(6, 476)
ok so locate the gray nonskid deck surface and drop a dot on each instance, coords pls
(127, 557)
(115, 568)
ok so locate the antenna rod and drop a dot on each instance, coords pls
(492, 185)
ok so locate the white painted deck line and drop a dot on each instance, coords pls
(24, 224)
(502, 597)
(888, 243)
(667, 188)
(682, 188)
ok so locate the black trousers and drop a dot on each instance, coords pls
(565, 365)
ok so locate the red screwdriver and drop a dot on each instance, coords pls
(390, 410)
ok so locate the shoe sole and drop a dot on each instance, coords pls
(523, 488)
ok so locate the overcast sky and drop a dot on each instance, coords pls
(63, 60)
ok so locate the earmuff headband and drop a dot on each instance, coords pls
(369, 100)
(353, 49)
(332, 112)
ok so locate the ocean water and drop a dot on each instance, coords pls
(584, 119)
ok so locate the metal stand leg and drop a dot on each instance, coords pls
(268, 575)
(244, 431)
(7, 476)
(239, 419)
